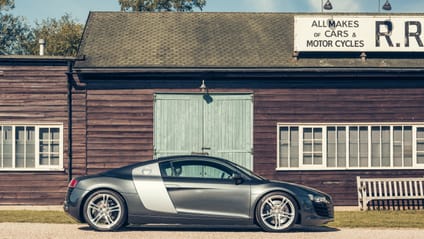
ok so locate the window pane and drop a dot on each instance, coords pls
(44, 147)
(318, 133)
(307, 147)
(44, 159)
(192, 171)
(307, 134)
(397, 146)
(44, 134)
(341, 147)
(216, 173)
(420, 145)
(385, 149)
(289, 147)
(375, 146)
(166, 169)
(7, 147)
(317, 159)
(54, 133)
(331, 147)
(420, 132)
(1, 146)
(318, 147)
(294, 147)
(312, 146)
(30, 147)
(420, 158)
(307, 159)
(363, 146)
(407, 146)
(54, 148)
(54, 160)
(353, 147)
(49, 146)
(284, 147)
(20, 147)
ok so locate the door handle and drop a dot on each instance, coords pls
(172, 185)
(206, 148)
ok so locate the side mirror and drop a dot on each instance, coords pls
(237, 178)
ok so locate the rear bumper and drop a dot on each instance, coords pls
(73, 202)
(72, 211)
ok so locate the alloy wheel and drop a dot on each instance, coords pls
(277, 212)
(104, 211)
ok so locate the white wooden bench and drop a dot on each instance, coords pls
(381, 189)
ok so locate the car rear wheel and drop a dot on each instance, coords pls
(105, 210)
(276, 212)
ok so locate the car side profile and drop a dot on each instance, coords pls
(193, 190)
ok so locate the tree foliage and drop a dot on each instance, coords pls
(62, 36)
(14, 32)
(161, 5)
(6, 5)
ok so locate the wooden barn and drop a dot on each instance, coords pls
(34, 128)
(249, 87)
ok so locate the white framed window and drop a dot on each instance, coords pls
(350, 146)
(31, 147)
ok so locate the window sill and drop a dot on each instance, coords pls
(29, 170)
(347, 169)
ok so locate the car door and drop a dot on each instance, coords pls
(205, 188)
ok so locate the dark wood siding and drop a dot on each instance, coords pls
(38, 94)
(274, 106)
(120, 120)
(119, 128)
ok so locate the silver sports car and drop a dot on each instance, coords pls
(193, 190)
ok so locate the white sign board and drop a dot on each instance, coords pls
(358, 34)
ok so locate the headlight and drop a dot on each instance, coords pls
(318, 199)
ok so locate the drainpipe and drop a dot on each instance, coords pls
(70, 84)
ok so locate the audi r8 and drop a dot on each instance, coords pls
(193, 190)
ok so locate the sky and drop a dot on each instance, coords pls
(37, 10)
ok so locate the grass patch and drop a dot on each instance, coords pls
(35, 216)
(377, 219)
(381, 219)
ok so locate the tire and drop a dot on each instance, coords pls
(276, 212)
(105, 210)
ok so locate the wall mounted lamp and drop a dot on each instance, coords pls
(326, 6)
(203, 88)
(387, 6)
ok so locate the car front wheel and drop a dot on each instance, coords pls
(105, 210)
(276, 212)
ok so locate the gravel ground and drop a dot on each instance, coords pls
(73, 231)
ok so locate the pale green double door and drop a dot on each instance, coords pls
(218, 125)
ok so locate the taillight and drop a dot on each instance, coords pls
(73, 183)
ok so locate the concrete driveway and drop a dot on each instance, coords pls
(73, 231)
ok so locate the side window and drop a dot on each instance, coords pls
(165, 169)
(195, 169)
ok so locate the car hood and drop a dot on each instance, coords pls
(292, 186)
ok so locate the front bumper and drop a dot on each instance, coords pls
(316, 214)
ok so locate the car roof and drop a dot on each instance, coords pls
(176, 157)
